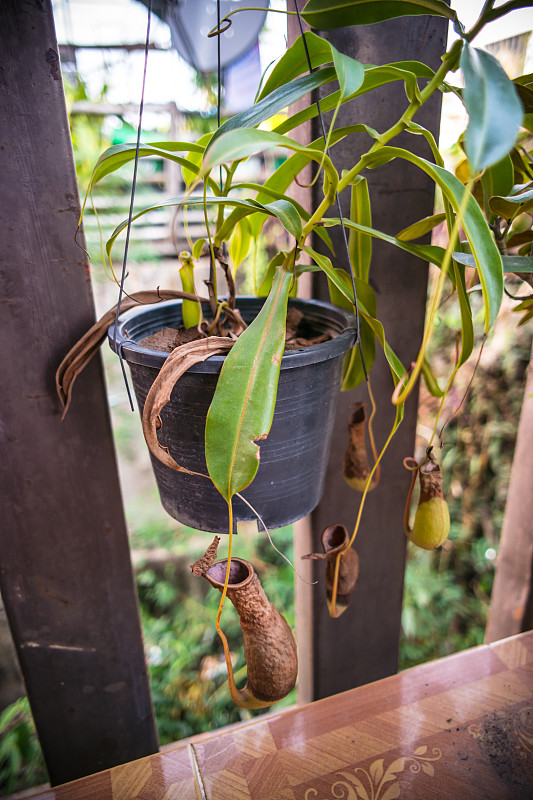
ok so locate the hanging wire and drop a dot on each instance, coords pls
(130, 214)
(337, 198)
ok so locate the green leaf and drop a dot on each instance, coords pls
(198, 246)
(325, 15)
(243, 405)
(525, 93)
(427, 252)
(513, 204)
(431, 381)
(276, 101)
(237, 144)
(294, 62)
(352, 368)
(285, 211)
(510, 263)
(467, 324)
(360, 244)
(494, 109)
(287, 214)
(497, 180)
(245, 206)
(120, 154)
(396, 367)
(190, 174)
(268, 278)
(240, 243)
(487, 257)
(408, 71)
(350, 73)
(339, 279)
(420, 228)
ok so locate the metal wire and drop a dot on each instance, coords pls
(130, 214)
(337, 198)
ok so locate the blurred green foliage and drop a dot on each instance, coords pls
(21, 761)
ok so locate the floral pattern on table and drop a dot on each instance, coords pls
(378, 782)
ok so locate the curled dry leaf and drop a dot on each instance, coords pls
(176, 364)
(79, 356)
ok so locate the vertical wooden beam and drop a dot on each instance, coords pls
(362, 645)
(511, 604)
(65, 570)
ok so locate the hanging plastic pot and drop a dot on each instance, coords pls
(294, 457)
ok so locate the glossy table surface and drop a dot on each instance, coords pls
(460, 727)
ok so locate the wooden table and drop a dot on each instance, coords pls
(460, 727)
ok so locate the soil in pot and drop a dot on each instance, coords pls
(294, 457)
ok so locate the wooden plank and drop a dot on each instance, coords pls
(511, 604)
(362, 645)
(65, 570)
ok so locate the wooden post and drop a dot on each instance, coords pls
(65, 570)
(511, 604)
(362, 645)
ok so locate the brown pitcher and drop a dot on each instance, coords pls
(334, 538)
(269, 646)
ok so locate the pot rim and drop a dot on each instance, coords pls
(133, 352)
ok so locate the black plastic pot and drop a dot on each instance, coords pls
(294, 457)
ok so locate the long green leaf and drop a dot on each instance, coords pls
(467, 324)
(420, 228)
(243, 142)
(497, 180)
(118, 155)
(427, 252)
(240, 243)
(325, 15)
(486, 255)
(277, 184)
(244, 207)
(350, 73)
(294, 62)
(360, 244)
(494, 109)
(276, 101)
(510, 263)
(407, 71)
(339, 282)
(243, 405)
(287, 214)
(353, 372)
(513, 204)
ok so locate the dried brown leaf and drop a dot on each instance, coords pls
(79, 356)
(176, 364)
